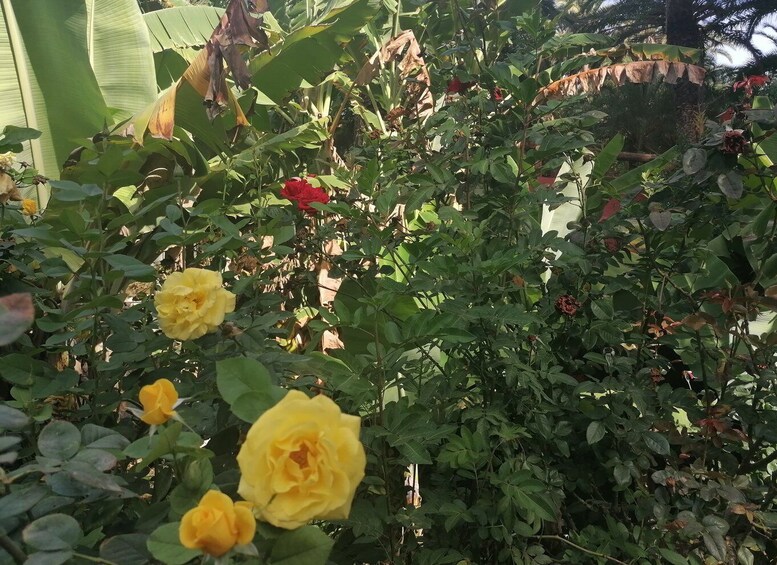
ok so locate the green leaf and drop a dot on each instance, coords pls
(673, 557)
(634, 177)
(131, 267)
(414, 452)
(731, 185)
(65, 85)
(656, 442)
(165, 545)
(48, 85)
(98, 437)
(245, 385)
(240, 375)
(53, 532)
(622, 475)
(249, 406)
(181, 27)
(694, 160)
(119, 47)
(59, 440)
(161, 445)
(11, 418)
(21, 500)
(49, 558)
(307, 54)
(12, 137)
(305, 546)
(69, 191)
(127, 549)
(536, 504)
(609, 154)
(595, 432)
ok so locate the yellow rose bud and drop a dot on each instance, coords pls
(29, 207)
(192, 303)
(302, 460)
(158, 401)
(217, 524)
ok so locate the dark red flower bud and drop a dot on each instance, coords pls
(567, 305)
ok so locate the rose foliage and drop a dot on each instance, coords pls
(384, 315)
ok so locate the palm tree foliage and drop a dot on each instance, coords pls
(704, 24)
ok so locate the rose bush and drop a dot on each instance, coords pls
(549, 357)
(302, 460)
(192, 303)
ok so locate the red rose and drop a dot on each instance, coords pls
(734, 142)
(457, 87)
(303, 193)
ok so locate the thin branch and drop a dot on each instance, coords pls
(581, 548)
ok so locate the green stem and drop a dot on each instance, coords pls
(93, 559)
(581, 548)
(13, 550)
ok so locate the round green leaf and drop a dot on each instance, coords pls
(11, 418)
(305, 546)
(694, 160)
(53, 532)
(59, 440)
(127, 549)
(165, 546)
(731, 185)
(235, 377)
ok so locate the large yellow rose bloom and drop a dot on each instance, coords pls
(301, 460)
(217, 524)
(158, 401)
(192, 303)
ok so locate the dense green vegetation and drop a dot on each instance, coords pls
(381, 282)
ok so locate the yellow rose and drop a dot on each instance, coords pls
(217, 524)
(192, 303)
(29, 207)
(158, 402)
(301, 460)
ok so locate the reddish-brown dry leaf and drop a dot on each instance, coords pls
(206, 73)
(237, 27)
(592, 80)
